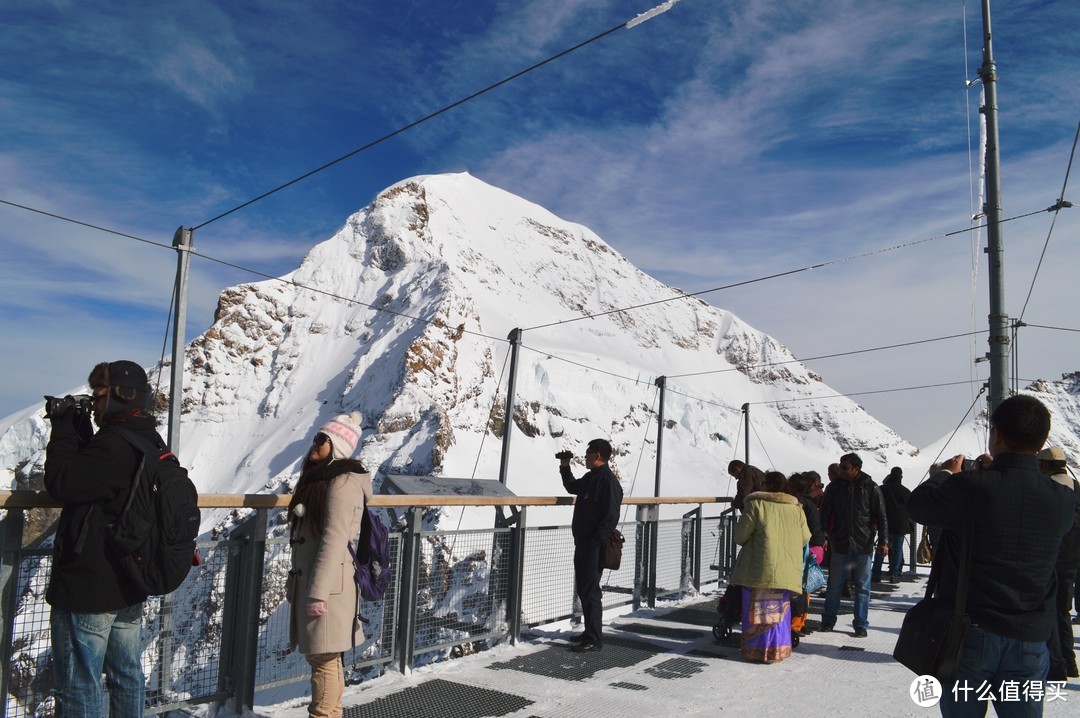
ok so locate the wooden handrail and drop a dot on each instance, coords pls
(41, 499)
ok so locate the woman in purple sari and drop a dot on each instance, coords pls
(772, 532)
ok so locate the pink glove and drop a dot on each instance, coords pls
(316, 607)
(818, 553)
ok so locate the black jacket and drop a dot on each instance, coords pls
(813, 521)
(852, 512)
(92, 481)
(1020, 518)
(599, 496)
(896, 496)
(1069, 556)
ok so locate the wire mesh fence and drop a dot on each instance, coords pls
(193, 647)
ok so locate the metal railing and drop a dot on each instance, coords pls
(223, 636)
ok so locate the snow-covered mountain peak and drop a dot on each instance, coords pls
(404, 315)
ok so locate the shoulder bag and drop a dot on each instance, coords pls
(932, 636)
(611, 551)
(813, 576)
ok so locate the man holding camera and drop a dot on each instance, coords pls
(596, 516)
(1019, 518)
(96, 615)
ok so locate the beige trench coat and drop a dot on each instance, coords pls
(322, 569)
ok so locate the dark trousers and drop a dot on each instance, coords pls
(1062, 656)
(587, 584)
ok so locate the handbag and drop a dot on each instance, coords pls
(925, 552)
(611, 551)
(813, 576)
(931, 640)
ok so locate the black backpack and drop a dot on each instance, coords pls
(154, 536)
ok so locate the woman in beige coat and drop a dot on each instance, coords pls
(324, 515)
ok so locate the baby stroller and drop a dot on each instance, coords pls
(730, 609)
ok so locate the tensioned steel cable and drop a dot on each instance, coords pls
(1059, 329)
(831, 356)
(663, 7)
(851, 258)
(1061, 204)
(541, 326)
(949, 440)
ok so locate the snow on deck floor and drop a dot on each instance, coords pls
(665, 662)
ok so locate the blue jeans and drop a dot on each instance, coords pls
(839, 564)
(896, 558)
(85, 645)
(991, 658)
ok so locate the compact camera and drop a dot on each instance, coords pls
(970, 465)
(564, 455)
(57, 406)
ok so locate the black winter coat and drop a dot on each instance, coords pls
(1069, 556)
(896, 496)
(813, 521)
(92, 481)
(1020, 518)
(852, 512)
(596, 510)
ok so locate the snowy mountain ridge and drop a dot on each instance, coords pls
(403, 315)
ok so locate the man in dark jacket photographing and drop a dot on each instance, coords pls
(96, 614)
(596, 515)
(1019, 519)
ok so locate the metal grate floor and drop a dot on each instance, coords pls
(442, 698)
(650, 629)
(676, 668)
(559, 662)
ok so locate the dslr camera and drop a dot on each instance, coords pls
(58, 406)
(564, 455)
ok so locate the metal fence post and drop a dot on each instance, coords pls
(645, 571)
(240, 618)
(517, 577)
(410, 582)
(691, 551)
(10, 544)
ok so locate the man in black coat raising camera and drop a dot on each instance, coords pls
(1019, 518)
(596, 515)
(96, 611)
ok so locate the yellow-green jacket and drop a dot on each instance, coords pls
(772, 532)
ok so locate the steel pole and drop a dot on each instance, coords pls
(508, 416)
(661, 382)
(995, 248)
(182, 243)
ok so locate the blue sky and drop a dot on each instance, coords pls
(715, 143)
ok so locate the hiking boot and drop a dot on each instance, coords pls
(860, 633)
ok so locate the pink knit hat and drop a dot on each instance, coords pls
(344, 432)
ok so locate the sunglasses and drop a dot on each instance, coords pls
(320, 439)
